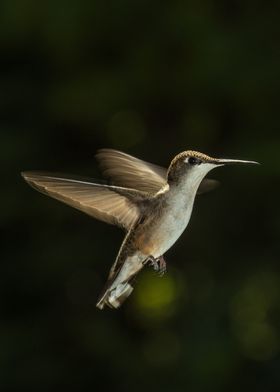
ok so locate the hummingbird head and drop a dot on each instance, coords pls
(192, 166)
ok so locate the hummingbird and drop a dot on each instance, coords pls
(152, 204)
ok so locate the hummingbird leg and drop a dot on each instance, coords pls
(152, 262)
(158, 264)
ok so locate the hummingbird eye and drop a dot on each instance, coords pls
(194, 161)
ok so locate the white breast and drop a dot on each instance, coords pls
(172, 223)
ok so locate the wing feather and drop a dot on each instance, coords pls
(126, 170)
(107, 203)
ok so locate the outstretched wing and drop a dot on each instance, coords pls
(110, 204)
(126, 170)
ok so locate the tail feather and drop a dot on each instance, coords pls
(119, 286)
(115, 297)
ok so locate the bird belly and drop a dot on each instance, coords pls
(163, 233)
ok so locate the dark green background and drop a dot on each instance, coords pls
(153, 79)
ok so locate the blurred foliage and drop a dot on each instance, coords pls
(153, 79)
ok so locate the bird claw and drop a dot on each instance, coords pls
(159, 264)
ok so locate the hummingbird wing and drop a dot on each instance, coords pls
(132, 172)
(126, 170)
(110, 204)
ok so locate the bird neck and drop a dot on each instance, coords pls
(181, 196)
(186, 186)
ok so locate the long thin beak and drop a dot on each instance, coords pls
(233, 161)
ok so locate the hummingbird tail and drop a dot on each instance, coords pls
(114, 298)
(120, 283)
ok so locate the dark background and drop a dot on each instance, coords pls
(151, 79)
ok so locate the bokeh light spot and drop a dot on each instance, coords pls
(250, 313)
(259, 341)
(156, 298)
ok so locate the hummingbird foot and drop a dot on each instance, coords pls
(158, 264)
